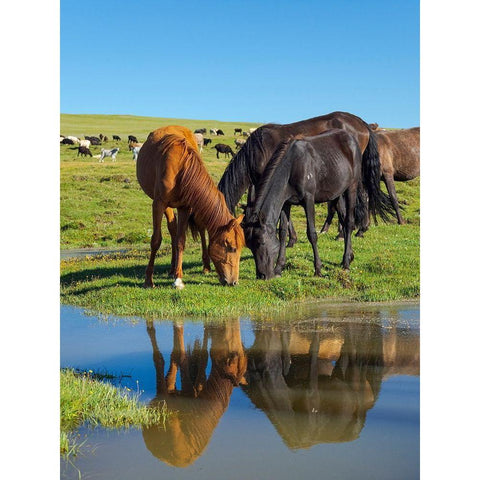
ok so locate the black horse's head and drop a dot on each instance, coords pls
(261, 239)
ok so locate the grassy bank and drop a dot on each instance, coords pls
(102, 205)
(84, 399)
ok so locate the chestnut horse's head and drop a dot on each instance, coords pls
(225, 249)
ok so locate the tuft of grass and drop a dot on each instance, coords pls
(85, 399)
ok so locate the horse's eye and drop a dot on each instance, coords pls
(231, 249)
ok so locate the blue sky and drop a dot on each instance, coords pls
(261, 61)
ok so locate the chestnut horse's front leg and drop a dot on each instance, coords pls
(172, 228)
(183, 215)
(158, 209)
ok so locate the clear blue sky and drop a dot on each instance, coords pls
(261, 61)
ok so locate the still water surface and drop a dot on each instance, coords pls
(330, 393)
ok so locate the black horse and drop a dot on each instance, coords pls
(246, 168)
(116, 138)
(306, 171)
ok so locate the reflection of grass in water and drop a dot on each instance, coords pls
(85, 399)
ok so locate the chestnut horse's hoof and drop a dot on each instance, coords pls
(148, 285)
(178, 284)
(206, 271)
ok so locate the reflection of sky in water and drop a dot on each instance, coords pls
(245, 443)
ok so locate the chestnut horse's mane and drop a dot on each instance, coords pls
(195, 186)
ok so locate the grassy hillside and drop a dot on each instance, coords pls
(102, 205)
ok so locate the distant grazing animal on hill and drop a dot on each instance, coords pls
(84, 151)
(213, 131)
(100, 136)
(109, 153)
(240, 142)
(135, 151)
(105, 139)
(75, 139)
(206, 141)
(67, 141)
(85, 143)
(132, 138)
(222, 148)
(220, 132)
(132, 145)
(93, 140)
(199, 139)
(116, 138)
(237, 130)
(200, 130)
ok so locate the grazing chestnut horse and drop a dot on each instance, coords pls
(171, 172)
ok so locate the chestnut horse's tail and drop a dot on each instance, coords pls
(379, 202)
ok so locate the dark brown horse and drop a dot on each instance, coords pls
(399, 152)
(246, 168)
(171, 172)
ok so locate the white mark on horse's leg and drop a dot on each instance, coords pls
(178, 284)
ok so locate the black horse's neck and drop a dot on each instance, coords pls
(274, 190)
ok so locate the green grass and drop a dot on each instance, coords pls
(84, 399)
(102, 205)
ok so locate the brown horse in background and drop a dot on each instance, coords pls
(399, 152)
(171, 172)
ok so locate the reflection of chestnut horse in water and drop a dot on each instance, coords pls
(201, 401)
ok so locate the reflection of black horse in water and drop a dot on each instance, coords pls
(309, 399)
(201, 401)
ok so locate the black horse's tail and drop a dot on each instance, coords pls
(378, 202)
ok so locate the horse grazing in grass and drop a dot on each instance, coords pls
(307, 171)
(171, 172)
(399, 152)
(246, 168)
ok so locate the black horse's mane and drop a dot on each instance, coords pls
(237, 176)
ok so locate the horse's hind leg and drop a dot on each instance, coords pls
(172, 229)
(183, 216)
(366, 223)
(390, 184)
(348, 222)
(282, 234)
(158, 208)
(292, 234)
(205, 256)
(328, 220)
(309, 207)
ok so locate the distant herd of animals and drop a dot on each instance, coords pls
(336, 159)
(134, 145)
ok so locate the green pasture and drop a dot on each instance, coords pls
(102, 205)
